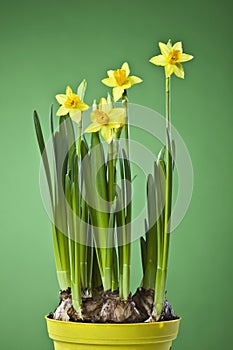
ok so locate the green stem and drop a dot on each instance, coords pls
(168, 105)
(97, 280)
(159, 175)
(98, 219)
(111, 195)
(76, 297)
(127, 231)
(63, 273)
(56, 249)
(115, 283)
(74, 249)
(125, 104)
(124, 250)
(120, 263)
(162, 271)
(79, 269)
(151, 237)
(79, 136)
(90, 252)
(111, 179)
(82, 247)
(126, 270)
(108, 270)
(168, 191)
(61, 242)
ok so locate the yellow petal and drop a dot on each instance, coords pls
(178, 70)
(117, 116)
(158, 60)
(178, 46)
(103, 101)
(109, 82)
(115, 126)
(134, 80)
(69, 91)
(127, 84)
(93, 127)
(61, 98)
(103, 105)
(125, 66)
(117, 93)
(111, 73)
(185, 57)
(164, 49)
(75, 115)
(62, 111)
(93, 116)
(169, 70)
(82, 106)
(107, 133)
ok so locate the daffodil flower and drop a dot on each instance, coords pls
(171, 59)
(72, 104)
(106, 119)
(120, 80)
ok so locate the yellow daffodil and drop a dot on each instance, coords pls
(72, 104)
(106, 119)
(120, 80)
(171, 58)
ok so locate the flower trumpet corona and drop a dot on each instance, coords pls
(106, 119)
(171, 58)
(120, 80)
(71, 104)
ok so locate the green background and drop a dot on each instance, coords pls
(46, 45)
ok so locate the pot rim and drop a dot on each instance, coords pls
(178, 319)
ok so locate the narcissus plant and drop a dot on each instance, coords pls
(90, 190)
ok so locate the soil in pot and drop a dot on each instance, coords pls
(108, 307)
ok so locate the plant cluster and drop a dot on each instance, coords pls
(90, 188)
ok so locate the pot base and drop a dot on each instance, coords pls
(69, 346)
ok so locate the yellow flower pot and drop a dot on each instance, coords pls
(92, 336)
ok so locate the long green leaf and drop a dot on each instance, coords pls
(128, 187)
(70, 226)
(89, 190)
(143, 253)
(44, 156)
(70, 137)
(82, 89)
(151, 257)
(99, 166)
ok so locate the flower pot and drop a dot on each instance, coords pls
(92, 336)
